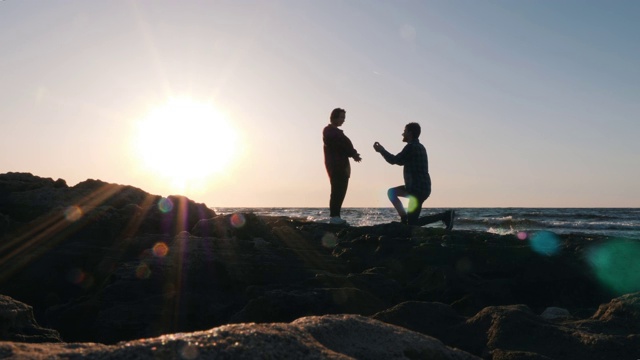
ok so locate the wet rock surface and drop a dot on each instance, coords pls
(106, 263)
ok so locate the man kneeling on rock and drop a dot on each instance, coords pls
(417, 182)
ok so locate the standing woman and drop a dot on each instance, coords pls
(337, 151)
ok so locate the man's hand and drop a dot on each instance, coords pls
(377, 147)
(357, 158)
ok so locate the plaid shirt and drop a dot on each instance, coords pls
(416, 167)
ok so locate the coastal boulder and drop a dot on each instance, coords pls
(434, 319)
(515, 332)
(18, 324)
(65, 242)
(108, 263)
(325, 337)
(25, 198)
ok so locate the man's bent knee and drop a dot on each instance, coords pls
(392, 193)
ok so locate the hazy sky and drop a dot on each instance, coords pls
(522, 103)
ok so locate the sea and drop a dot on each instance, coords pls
(612, 222)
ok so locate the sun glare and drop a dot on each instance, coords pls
(185, 143)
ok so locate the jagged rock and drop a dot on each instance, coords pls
(25, 198)
(433, 319)
(286, 304)
(109, 263)
(326, 337)
(619, 316)
(195, 282)
(18, 324)
(624, 310)
(65, 242)
(515, 331)
(18, 182)
(552, 313)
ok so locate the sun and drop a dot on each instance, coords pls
(185, 142)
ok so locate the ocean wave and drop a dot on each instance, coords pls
(610, 222)
(501, 222)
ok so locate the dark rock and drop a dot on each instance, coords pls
(25, 198)
(553, 313)
(326, 337)
(515, 332)
(620, 316)
(18, 324)
(283, 305)
(108, 263)
(433, 319)
(66, 242)
(18, 182)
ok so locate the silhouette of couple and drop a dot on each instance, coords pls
(413, 157)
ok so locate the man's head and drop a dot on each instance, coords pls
(411, 132)
(337, 116)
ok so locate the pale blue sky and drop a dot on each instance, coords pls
(522, 103)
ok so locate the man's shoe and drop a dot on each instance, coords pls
(448, 219)
(337, 220)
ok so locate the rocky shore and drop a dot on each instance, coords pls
(106, 271)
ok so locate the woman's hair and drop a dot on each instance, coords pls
(335, 113)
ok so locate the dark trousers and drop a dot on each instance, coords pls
(412, 215)
(415, 207)
(339, 186)
(414, 218)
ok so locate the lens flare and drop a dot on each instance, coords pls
(237, 220)
(413, 204)
(160, 249)
(80, 278)
(76, 276)
(189, 352)
(73, 213)
(165, 205)
(522, 235)
(329, 240)
(143, 271)
(616, 265)
(545, 243)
